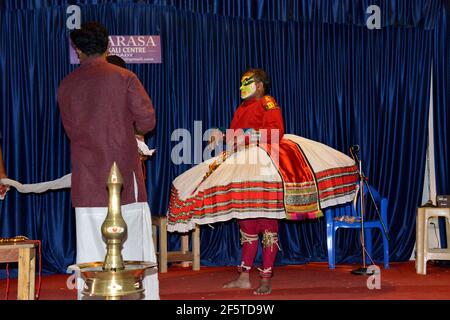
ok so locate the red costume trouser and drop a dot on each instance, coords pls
(250, 229)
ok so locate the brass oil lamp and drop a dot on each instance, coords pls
(114, 278)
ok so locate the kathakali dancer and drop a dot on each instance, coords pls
(262, 176)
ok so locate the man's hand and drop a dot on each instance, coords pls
(141, 156)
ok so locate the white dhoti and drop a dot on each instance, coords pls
(138, 245)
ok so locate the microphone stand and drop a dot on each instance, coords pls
(362, 179)
(362, 270)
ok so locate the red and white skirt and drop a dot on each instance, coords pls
(294, 180)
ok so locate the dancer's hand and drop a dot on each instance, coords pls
(248, 138)
(215, 138)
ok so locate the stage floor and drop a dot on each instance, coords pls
(307, 282)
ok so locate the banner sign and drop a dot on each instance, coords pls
(132, 49)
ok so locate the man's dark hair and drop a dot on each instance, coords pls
(118, 61)
(91, 39)
(261, 75)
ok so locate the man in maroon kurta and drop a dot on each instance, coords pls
(102, 107)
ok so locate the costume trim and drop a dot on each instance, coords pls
(265, 273)
(243, 268)
(301, 200)
(269, 103)
(269, 239)
(245, 237)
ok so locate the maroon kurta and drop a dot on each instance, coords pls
(100, 104)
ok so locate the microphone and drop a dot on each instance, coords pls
(354, 148)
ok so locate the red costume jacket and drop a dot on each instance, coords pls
(263, 113)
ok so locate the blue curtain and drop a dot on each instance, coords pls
(441, 101)
(337, 82)
(393, 12)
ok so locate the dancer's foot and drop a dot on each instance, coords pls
(243, 281)
(264, 287)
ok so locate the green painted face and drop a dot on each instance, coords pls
(248, 86)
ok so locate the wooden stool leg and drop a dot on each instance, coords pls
(185, 248)
(420, 226)
(447, 231)
(32, 271)
(26, 274)
(196, 248)
(425, 243)
(155, 243)
(163, 246)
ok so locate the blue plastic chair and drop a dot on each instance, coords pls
(371, 221)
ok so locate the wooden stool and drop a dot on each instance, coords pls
(423, 252)
(184, 255)
(24, 253)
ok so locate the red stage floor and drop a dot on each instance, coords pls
(307, 282)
